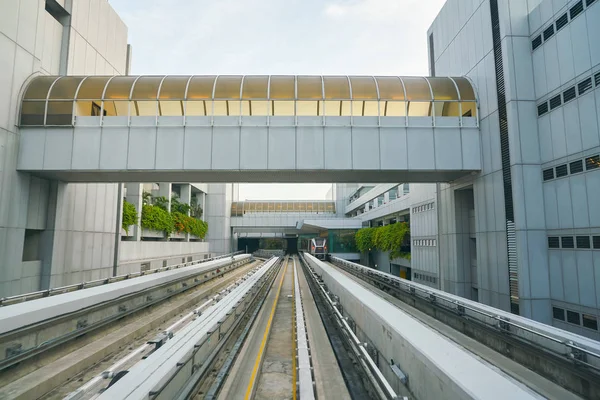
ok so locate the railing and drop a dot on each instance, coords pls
(580, 350)
(5, 301)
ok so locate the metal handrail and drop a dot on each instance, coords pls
(500, 317)
(5, 301)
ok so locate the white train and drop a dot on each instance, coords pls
(318, 248)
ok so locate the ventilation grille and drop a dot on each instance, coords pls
(576, 166)
(597, 79)
(553, 242)
(569, 94)
(589, 2)
(567, 242)
(543, 108)
(548, 174)
(583, 242)
(561, 171)
(596, 241)
(576, 9)
(562, 21)
(585, 86)
(592, 162)
(537, 42)
(555, 102)
(548, 32)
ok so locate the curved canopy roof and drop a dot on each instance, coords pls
(250, 87)
(60, 100)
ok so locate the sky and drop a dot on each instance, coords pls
(320, 37)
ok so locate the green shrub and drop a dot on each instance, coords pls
(179, 207)
(157, 219)
(185, 224)
(130, 216)
(384, 238)
(162, 202)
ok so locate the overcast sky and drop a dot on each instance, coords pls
(337, 37)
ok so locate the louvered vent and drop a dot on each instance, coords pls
(576, 167)
(567, 242)
(548, 32)
(553, 242)
(537, 42)
(556, 101)
(562, 21)
(542, 108)
(576, 9)
(583, 242)
(597, 79)
(596, 242)
(584, 86)
(511, 239)
(548, 174)
(569, 94)
(592, 162)
(589, 2)
(561, 171)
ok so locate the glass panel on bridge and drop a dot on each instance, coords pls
(253, 95)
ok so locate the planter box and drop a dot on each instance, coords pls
(131, 231)
(152, 234)
(177, 235)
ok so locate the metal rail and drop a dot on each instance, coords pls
(174, 366)
(305, 377)
(380, 383)
(19, 298)
(67, 318)
(578, 349)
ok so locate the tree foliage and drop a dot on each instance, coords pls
(384, 238)
(179, 207)
(130, 216)
(193, 226)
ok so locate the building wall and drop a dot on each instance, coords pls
(463, 45)
(70, 228)
(218, 217)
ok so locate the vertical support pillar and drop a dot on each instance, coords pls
(186, 198)
(164, 190)
(134, 196)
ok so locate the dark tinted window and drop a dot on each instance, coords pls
(561, 171)
(583, 242)
(573, 317)
(567, 242)
(558, 313)
(576, 166)
(590, 322)
(553, 242)
(576, 9)
(562, 21)
(592, 162)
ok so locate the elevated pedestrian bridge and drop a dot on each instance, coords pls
(249, 129)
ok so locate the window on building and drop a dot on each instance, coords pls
(562, 21)
(590, 322)
(573, 317)
(584, 86)
(537, 42)
(576, 9)
(548, 174)
(569, 94)
(583, 242)
(567, 242)
(592, 162)
(553, 242)
(555, 101)
(576, 167)
(542, 108)
(558, 313)
(548, 32)
(561, 171)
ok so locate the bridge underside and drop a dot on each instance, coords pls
(278, 154)
(259, 176)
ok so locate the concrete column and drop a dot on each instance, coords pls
(186, 198)
(203, 206)
(135, 196)
(164, 190)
